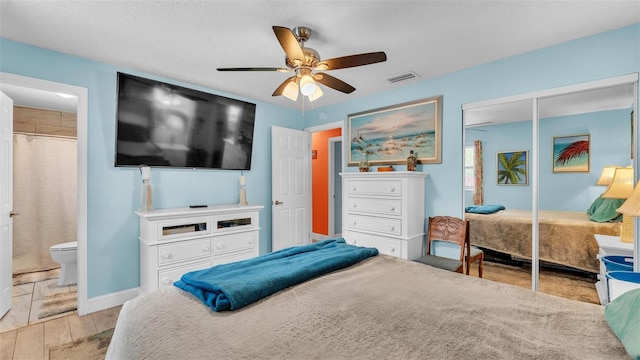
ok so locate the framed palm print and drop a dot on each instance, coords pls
(571, 153)
(512, 167)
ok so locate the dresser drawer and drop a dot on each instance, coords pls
(380, 187)
(185, 250)
(375, 224)
(169, 276)
(375, 205)
(235, 242)
(236, 256)
(385, 246)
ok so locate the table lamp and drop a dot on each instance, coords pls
(607, 175)
(621, 187)
(631, 207)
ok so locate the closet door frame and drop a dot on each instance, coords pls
(535, 97)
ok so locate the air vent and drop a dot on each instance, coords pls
(403, 77)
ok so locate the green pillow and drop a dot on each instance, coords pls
(606, 211)
(596, 203)
(623, 317)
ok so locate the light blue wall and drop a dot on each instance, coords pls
(113, 192)
(610, 145)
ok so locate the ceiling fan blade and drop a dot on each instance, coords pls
(255, 69)
(352, 61)
(289, 43)
(334, 83)
(284, 84)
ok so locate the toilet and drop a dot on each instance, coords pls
(66, 254)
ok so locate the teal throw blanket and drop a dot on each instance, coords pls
(232, 286)
(484, 209)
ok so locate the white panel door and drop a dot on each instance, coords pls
(6, 202)
(291, 187)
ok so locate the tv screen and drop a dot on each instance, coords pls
(160, 124)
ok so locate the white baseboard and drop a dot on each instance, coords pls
(320, 237)
(107, 301)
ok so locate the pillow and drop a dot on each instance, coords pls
(606, 211)
(594, 206)
(623, 317)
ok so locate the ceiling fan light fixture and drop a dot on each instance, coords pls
(307, 85)
(291, 91)
(316, 94)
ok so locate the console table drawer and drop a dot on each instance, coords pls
(382, 187)
(376, 205)
(169, 276)
(235, 242)
(375, 224)
(186, 250)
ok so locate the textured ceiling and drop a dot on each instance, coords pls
(187, 40)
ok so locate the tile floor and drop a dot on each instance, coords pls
(24, 336)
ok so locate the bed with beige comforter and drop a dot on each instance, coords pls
(380, 308)
(566, 237)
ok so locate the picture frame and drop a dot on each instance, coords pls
(512, 167)
(571, 153)
(388, 134)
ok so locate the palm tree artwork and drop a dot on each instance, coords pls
(571, 153)
(512, 168)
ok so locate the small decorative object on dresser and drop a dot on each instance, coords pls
(176, 241)
(411, 162)
(364, 162)
(146, 193)
(384, 210)
(243, 190)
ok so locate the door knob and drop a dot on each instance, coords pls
(279, 202)
(13, 213)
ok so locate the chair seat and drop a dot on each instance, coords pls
(441, 262)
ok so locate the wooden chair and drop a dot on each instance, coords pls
(448, 237)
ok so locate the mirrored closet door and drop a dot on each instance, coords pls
(542, 155)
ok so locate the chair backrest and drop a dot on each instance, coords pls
(449, 229)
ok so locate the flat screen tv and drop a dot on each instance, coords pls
(160, 124)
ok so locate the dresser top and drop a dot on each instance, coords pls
(417, 174)
(209, 210)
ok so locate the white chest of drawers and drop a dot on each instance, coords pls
(176, 241)
(384, 210)
(609, 245)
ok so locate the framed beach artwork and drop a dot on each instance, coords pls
(571, 153)
(512, 167)
(387, 135)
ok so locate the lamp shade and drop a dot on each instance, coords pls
(607, 175)
(631, 207)
(621, 186)
(291, 91)
(307, 85)
(316, 94)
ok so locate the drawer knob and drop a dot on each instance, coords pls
(166, 281)
(250, 241)
(354, 188)
(166, 255)
(355, 242)
(353, 223)
(392, 189)
(220, 246)
(392, 249)
(206, 248)
(391, 227)
(392, 208)
(355, 205)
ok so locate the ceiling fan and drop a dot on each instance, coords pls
(308, 66)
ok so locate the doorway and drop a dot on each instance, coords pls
(19, 87)
(326, 164)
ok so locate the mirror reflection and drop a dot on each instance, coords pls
(578, 135)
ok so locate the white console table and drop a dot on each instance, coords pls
(609, 245)
(176, 241)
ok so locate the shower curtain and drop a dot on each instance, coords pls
(45, 196)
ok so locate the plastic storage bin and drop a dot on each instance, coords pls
(618, 263)
(622, 281)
